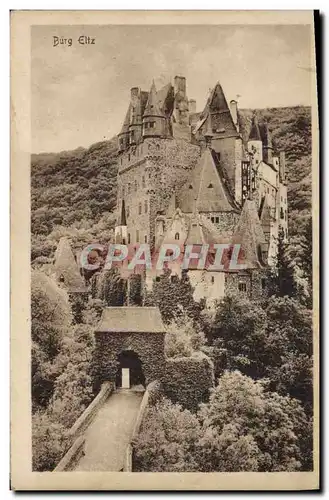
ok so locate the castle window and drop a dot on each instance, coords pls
(212, 280)
(263, 283)
(213, 220)
(145, 238)
(242, 286)
(145, 206)
(128, 238)
(190, 186)
(177, 236)
(61, 278)
(268, 190)
(129, 157)
(210, 185)
(152, 124)
(127, 211)
(129, 188)
(281, 213)
(217, 220)
(139, 208)
(143, 181)
(285, 215)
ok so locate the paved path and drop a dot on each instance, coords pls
(110, 432)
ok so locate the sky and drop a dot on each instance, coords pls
(80, 93)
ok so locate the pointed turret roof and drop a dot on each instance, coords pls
(152, 106)
(122, 221)
(255, 134)
(66, 268)
(126, 122)
(250, 235)
(218, 114)
(207, 185)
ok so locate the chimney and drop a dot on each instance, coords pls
(180, 85)
(192, 105)
(282, 167)
(234, 112)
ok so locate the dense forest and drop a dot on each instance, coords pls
(259, 413)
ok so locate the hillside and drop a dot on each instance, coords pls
(74, 192)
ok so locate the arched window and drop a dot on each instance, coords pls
(177, 236)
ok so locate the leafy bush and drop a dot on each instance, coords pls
(188, 380)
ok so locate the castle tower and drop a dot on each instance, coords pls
(153, 118)
(255, 143)
(120, 232)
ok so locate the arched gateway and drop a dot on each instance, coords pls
(129, 346)
(130, 371)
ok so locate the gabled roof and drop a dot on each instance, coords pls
(66, 268)
(131, 320)
(206, 189)
(250, 235)
(152, 106)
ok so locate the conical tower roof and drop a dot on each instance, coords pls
(122, 221)
(66, 268)
(250, 235)
(255, 134)
(126, 123)
(152, 107)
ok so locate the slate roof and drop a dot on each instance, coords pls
(126, 122)
(250, 235)
(218, 113)
(152, 106)
(122, 217)
(66, 267)
(131, 320)
(207, 189)
(255, 134)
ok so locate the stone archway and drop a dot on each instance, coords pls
(130, 371)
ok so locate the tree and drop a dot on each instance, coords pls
(182, 338)
(51, 318)
(167, 440)
(289, 348)
(238, 334)
(242, 415)
(282, 278)
(174, 297)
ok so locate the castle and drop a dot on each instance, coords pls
(190, 178)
